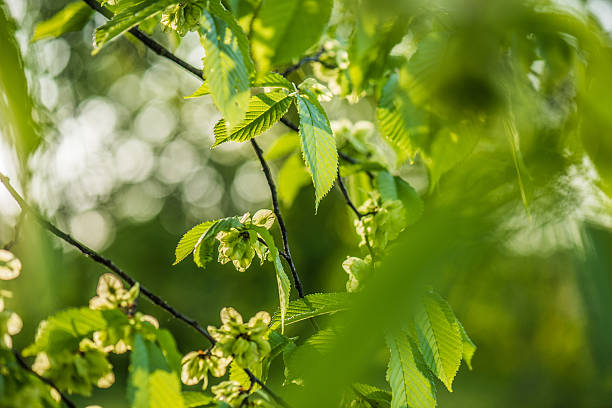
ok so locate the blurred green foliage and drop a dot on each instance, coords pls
(496, 112)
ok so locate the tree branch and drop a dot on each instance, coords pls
(346, 196)
(90, 253)
(50, 383)
(309, 58)
(279, 217)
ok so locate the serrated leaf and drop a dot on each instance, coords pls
(193, 399)
(439, 338)
(411, 383)
(127, 19)
(67, 328)
(225, 68)
(168, 347)
(282, 280)
(318, 144)
(292, 177)
(313, 305)
(297, 359)
(399, 121)
(272, 80)
(73, 17)
(151, 382)
(204, 250)
(469, 348)
(265, 110)
(190, 240)
(285, 29)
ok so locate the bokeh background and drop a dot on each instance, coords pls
(126, 167)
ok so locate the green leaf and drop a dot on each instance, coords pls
(285, 29)
(265, 110)
(376, 397)
(204, 250)
(168, 347)
(292, 177)
(128, 19)
(190, 240)
(411, 383)
(318, 144)
(151, 383)
(194, 399)
(67, 328)
(469, 348)
(225, 68)
(313, 305)
(439, 338)
(216, 7)
(284, 285)
(386, 186)
(73, 17)
(399, 121)
(272, 80)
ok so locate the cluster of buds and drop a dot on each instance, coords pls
(182, 17)
(358, 271)
(243, 343)
(111, 294)
(382, 223)
(77, 371)
(240, 245)
(197, 364)
(246, 343)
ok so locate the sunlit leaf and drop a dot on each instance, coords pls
(73, 17)
(264, 110)
(318, 144)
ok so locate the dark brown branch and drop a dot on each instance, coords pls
(50, 383)
(90, 253)
(255, 380)
(305, 60)
(279, 217)
(346, 196)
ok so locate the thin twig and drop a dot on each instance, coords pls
(347, 198)
(264, 387)
(90, 253)
(310, 58)
(279, 217)
(50, 383)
